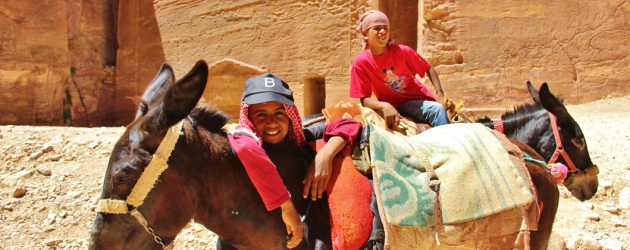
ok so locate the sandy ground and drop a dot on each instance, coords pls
(61, 170)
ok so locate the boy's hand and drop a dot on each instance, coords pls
(391, 115)
(318, 175)
(294, 225)
(319, 172)
(439, 97)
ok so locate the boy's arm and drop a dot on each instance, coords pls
(294, 225)
(338, 135)
(319, 172)
(266, 179)
(435, 80)
(390, 114)
(260, 170)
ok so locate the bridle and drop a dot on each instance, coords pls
(147, 180)
(145, 183)
(498, 125)
(559, 148)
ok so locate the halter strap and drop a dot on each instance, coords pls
(148, 178)
(145, 183)
(498, 125)
(559, 148)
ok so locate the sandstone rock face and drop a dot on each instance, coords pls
(54, 60)
(85, 63)
(485, 51)
(225, 86)
(34, 61)
(299, 41)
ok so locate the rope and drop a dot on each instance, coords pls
(312, 121)
(539, 162)
(454, 111)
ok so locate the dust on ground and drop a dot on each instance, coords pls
(58, 171)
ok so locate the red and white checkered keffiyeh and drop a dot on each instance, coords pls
(296, 132)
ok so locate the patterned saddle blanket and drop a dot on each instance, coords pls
(478, 177)
(483, 191)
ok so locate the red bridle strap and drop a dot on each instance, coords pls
(559, 148)
(498, 125)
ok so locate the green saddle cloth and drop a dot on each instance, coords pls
(478, 177)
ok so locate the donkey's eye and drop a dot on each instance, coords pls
(578, 141)
(124, 179)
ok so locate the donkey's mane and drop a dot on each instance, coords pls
(519, 114)
(527, 108)
(209, 118)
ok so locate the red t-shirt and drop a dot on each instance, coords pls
(390, 76)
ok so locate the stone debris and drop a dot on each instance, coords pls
(93, 144)
(618, 223)
(52, 242)
(611, 210)
(7, 207)
(589, 206)
(19, 192)
(57, 210)
(583, 242)
(593, 216)
(624, 198)
(44, 170)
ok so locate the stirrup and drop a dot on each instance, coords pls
(361, 153)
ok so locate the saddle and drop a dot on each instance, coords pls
(456, 228)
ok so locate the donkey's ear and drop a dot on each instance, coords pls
(533, 91)
(178, 100)
(162, 81)
(553, 105)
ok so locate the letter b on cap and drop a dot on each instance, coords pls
(269, 82)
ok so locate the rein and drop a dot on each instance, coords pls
(559, 148)
(145, 183)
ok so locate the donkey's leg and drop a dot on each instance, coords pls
(222, 245)
(549, 195)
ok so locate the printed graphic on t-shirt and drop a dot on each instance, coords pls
(393, 81)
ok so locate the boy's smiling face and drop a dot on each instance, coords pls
(377, 36)
(270, 120)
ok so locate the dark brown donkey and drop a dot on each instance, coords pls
(533, 125)
(204, 180)
(145, 203)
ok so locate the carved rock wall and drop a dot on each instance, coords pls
(55, 57)
(485, 51)
(85, 63)
(296, 40)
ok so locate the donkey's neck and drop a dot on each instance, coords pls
(533, 129)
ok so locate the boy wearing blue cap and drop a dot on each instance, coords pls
(268, 115)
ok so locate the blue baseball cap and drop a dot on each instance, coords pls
(267, 88)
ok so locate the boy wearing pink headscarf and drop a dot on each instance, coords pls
(388, 70)
(269, 116)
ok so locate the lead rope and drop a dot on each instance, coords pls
(434, 183)
(310, 202)
(524, 233)
(136, 214)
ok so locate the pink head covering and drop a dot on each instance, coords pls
(370, 19)
(269, 88)
(296, 132)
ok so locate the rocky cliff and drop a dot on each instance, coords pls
(81, 63)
